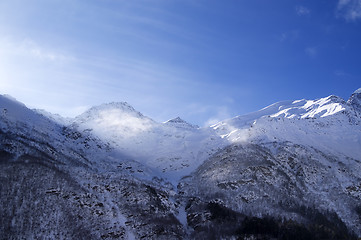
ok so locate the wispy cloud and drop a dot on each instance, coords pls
(302, 11)
(311, 51)
(28, 48)
(349, 9)
(289, 36)
(153, 23)
(221, 113)
(341, 73)
(63, 82)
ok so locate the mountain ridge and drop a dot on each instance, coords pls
(119, 174)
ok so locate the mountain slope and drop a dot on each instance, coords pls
(355, 100)
(113, 173)
(64, 184)
(171, 149)
(286, 158)
(328, 124)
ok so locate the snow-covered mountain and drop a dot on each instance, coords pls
(328, 123)
(355, 100)
(180, 123)
(113, 173)
(172, 149)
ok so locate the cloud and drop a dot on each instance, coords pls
(86, 53)
(311, 51)
(342, 74)
(29, 48)
(221, 113)
(289, 36)
(60, 81)
(302, 11)
(349, 9)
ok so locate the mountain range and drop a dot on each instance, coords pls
(291, 170)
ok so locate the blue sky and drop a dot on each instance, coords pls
(202, 60)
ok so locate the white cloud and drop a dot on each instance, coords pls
(29, 48)
(221, 114)
(212, 121)
(302, 11)
(63, 82)
(342, 74)
(349, 9)
(48, 64)
(311, 51)
(289, 36)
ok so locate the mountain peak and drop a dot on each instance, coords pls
(176, 120)
(179, 122)
(355, 99)
(111, 108)
(9, 99)
(116, 105)
(358, 91)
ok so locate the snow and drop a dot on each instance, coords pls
(172, 149)
(175, 148)
(317, 123)
(182, 216)
(54, 117)
(358, 91)
(117, 140)
(310, 109)
(180, 123)
(12, 112)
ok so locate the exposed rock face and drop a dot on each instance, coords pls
(180, 123)
(355, 99)
(278, 179)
